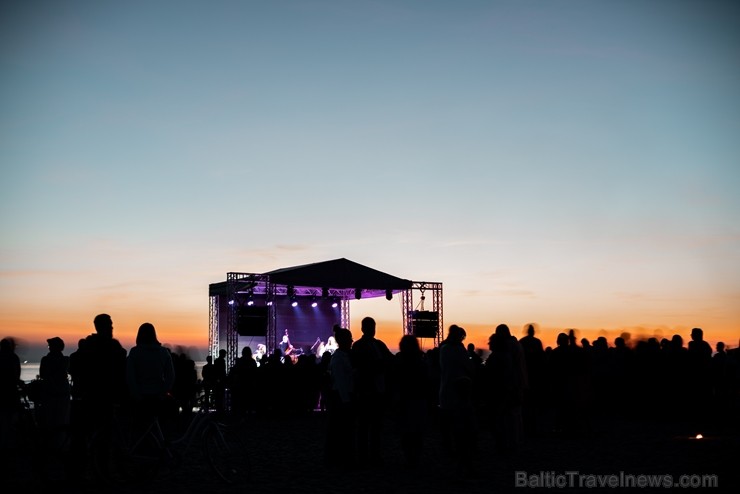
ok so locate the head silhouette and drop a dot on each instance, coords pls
(503, 331)
(56, 344)
(344, 338)
(697, 334)
(409, 344)
(103, 325)
(677, 341)
(147, 335)
(7, 345)
(456, 334)
(562, 340)
(368, 327)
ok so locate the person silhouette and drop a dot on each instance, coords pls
(699, 387)
(52, 413)
(455, 398)
(186, 382)
(75, 373)
(103, 367)
(534, 396)
(101, 371)
(412, 382)
(208, 374)
(219, 388)
(371, 360)
(10, 397)
(150, 372)
(242, 380)
(507, 382)
(285, 346)
(721, 377)
(340, 400)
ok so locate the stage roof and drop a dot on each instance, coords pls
(338, 273)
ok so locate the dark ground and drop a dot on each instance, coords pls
(287, 457)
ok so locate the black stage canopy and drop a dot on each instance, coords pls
(338, 273)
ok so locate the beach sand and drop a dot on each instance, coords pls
(286, 454)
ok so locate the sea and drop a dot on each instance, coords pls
(30, 370)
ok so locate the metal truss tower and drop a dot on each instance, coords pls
(409, 307)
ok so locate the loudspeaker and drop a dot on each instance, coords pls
(424, 323)
(252, 321)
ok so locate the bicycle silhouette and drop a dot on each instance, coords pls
(135, 454)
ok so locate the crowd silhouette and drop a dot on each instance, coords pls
(520, 390)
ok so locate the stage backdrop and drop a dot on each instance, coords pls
(304, 323)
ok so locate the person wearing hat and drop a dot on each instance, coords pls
(53, 409)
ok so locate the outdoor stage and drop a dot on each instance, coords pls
(252, 309)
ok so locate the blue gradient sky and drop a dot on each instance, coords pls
(569, 163)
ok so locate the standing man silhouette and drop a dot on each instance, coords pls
(371, 360)
(456, 397)
(101, 368)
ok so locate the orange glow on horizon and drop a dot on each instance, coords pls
(478, 334)
(191, 330)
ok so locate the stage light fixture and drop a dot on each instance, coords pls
(388, 294)
(324, 293)
(231, 302)
(334, 305)
(314, 304)
(269, 304)
(294, 304)
(250, 302)
(291, 292)
(358, 293)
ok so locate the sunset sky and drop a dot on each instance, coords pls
(575, 164)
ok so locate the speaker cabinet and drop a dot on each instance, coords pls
(424, 323)
(252, 321)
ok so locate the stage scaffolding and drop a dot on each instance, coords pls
(227, 297)
(423, 287)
